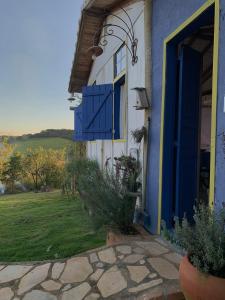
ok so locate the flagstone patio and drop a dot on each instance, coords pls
(139, 269)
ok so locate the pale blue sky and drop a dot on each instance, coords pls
(37, 42)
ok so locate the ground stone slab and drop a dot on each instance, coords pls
(138, 250)
(153, 248)
(13, 272)
(123, 249)
(93, 296)
(174, 257)
(77, 293)
(138, 273)
(164, 268)
(161, 241)
(152, 275)
(145, 286)
(111, 282)
(57, 270)
(121, 257)
(155, 293)
(77, 270)
(39, 295)
(99, 265)
(33, 278)
(93, 258)
(107, 256)
(1, 267)
(6, 293)
(97, 274)
(51, 285)
(133, 258)
(67, 287)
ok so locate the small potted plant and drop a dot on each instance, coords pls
(202, 270)
(138, 134)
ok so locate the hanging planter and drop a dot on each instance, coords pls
(138, 134)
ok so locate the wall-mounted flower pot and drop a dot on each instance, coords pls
(198, 286)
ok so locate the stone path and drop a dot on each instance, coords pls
(139, 269)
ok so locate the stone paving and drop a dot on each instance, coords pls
(138, 269)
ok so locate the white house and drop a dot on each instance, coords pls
(115, 26)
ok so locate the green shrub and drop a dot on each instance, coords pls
(204, 241)
(107, 194)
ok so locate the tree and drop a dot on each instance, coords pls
(53, 167)
(12, 170)
(6, 149)
(44, 167)
(33, 162)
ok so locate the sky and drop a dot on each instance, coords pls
(37, 43)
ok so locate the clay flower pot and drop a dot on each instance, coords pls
(198, 286)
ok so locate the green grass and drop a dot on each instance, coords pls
(41, 226)
(55, 143)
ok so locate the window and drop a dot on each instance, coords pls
(120, 108)
(122, 111)
(120, 61)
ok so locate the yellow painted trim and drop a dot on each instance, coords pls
(161, 137)
(119, 76)
(120, 141)
(195, 15)
(214, 104)
(214, 100)
(125, 113)
(92, 142)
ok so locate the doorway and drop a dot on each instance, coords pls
(187, 116)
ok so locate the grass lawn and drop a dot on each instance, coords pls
(55, 143)
(44, 226)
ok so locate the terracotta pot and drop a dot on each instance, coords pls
(198, 286)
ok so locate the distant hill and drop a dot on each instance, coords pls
(49, 138)
(63, 133)
(55, 143)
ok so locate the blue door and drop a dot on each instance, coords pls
(187, 137)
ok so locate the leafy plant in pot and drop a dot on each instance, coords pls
(138, 134)
(202, 270)
(106, 193)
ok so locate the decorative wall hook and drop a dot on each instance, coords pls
(108, 30)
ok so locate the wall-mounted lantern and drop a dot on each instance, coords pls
(76, 98)
(126, 26)
(142, 101)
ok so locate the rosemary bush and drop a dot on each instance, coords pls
(204, 241)
(106, 193)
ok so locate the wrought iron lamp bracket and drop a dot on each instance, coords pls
(131, 42)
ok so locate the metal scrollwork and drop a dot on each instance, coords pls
(108, 31)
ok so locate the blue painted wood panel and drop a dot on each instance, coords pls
(98, 112)
(78, 134)
(188, 132)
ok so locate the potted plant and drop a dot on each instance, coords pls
(202, 270)
(138, 134)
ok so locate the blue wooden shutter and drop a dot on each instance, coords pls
(97, 112)
(78, 135)
(188, 130)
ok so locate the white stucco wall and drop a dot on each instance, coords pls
(102, 72)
